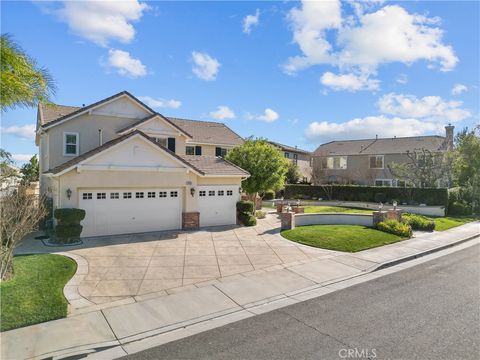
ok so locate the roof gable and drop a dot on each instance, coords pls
(155, 123)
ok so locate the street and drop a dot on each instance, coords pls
(430, 311)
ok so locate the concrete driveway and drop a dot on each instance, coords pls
(155, 264)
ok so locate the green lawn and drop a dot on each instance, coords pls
(348, 238)
(35, 293)
(448, 222)
(335, 209)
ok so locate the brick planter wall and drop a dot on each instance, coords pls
(298, 210)
(288, 220)
(379, 216)
(190, 220)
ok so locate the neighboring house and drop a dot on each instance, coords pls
(10, 179)
(303, 159)
(365, 162)
(135, 170)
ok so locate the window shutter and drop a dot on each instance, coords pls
(198, 150)
(171, 144)
(218, 151)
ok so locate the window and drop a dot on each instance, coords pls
(376, 162)
(87, 196)
(198, 150)
(211, 193)
(221, 192)
(189, 150)
(203, 193)
(229, 192)
(101, 196)
(171, 144)
(383, 182)
(173, 193)
(401, 183)
(127, 195)
(70, 144)
(151, 194)
(115, 195)
(161, 141)
(335, 163)
(162, 194)
(139, 195)
(287, 155)
(221, 152)
(295, 159)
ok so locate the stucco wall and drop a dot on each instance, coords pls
(333, 219)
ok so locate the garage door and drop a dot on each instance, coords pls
(113, 211)
(217, 205)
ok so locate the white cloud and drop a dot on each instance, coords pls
(268, 116)
(458, 89)
(24, 132)
(350, 82)
(368, 127)
(102, 21)
(125, 64)
(249, 21)
(222, 112)
(402, 79)
(432, 108)
(160, 103)
(361, 43)
(22, 158)
(206, 67)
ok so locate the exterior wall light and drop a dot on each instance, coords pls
(380, 206)
(192, 191)
(69, 194)
(395, 205)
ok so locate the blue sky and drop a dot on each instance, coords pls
(296, 73)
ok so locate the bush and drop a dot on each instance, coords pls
(269, 195)
(247, 219)
(68, 232)
(459, 208)
(395, 227)
(418, 222)
(428, 196)
(69, 216)
(260, 214)
(245, 207)
(460, 200)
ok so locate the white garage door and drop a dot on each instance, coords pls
(217, 205)
(123, 211)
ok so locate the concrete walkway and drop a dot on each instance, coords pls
(210, 304)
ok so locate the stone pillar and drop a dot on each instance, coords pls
(379, 216)
(288, 220)
(395, 214)
(279, 205)
(190, 220)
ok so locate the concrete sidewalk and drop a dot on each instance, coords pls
(211, 304)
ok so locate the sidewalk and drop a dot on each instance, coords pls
(212, 304)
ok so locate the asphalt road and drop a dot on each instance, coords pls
(430, 311)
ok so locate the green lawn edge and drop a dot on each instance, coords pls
(35, 293)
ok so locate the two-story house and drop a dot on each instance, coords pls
(135, 170)
(365, 162)
(302, 158)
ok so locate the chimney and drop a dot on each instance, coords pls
(449, 136)
(100, 137)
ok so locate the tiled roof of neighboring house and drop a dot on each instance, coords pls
(206, 166)
(207, 132)
(212, 165)
(397, 145)
(289, 148)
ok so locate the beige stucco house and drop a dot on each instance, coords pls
(302, 158)
(135, 170)
(365, 162)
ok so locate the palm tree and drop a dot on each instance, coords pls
(23, 83)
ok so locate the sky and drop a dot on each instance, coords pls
(298, 73)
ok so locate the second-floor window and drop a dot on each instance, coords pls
(295, 159)
(334, 162)
(222, 152)
(287, 155)
(376, 162)
(190, 150)
(70, 144)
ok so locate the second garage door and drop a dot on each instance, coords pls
(122, 211)
(217, 205)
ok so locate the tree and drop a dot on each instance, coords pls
(30, 171)
(24, 83)
(293, 174)
(467, 159)
(7, 171)
(423, 168)
(265, 163)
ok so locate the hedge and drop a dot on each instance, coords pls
(395, 227)
(410, 196)
(68, 229)
(418, 222)
(245, 207)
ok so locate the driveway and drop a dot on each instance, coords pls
(155, 264)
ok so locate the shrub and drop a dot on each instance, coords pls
(419, 222)
(69, 216)
(461, 199)
(260, 214)
(428, 196)
(247, 219)
(245, 207)
(459, 208)
(269, 195)
(395, 227)
(69, 232)
(68, 227)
